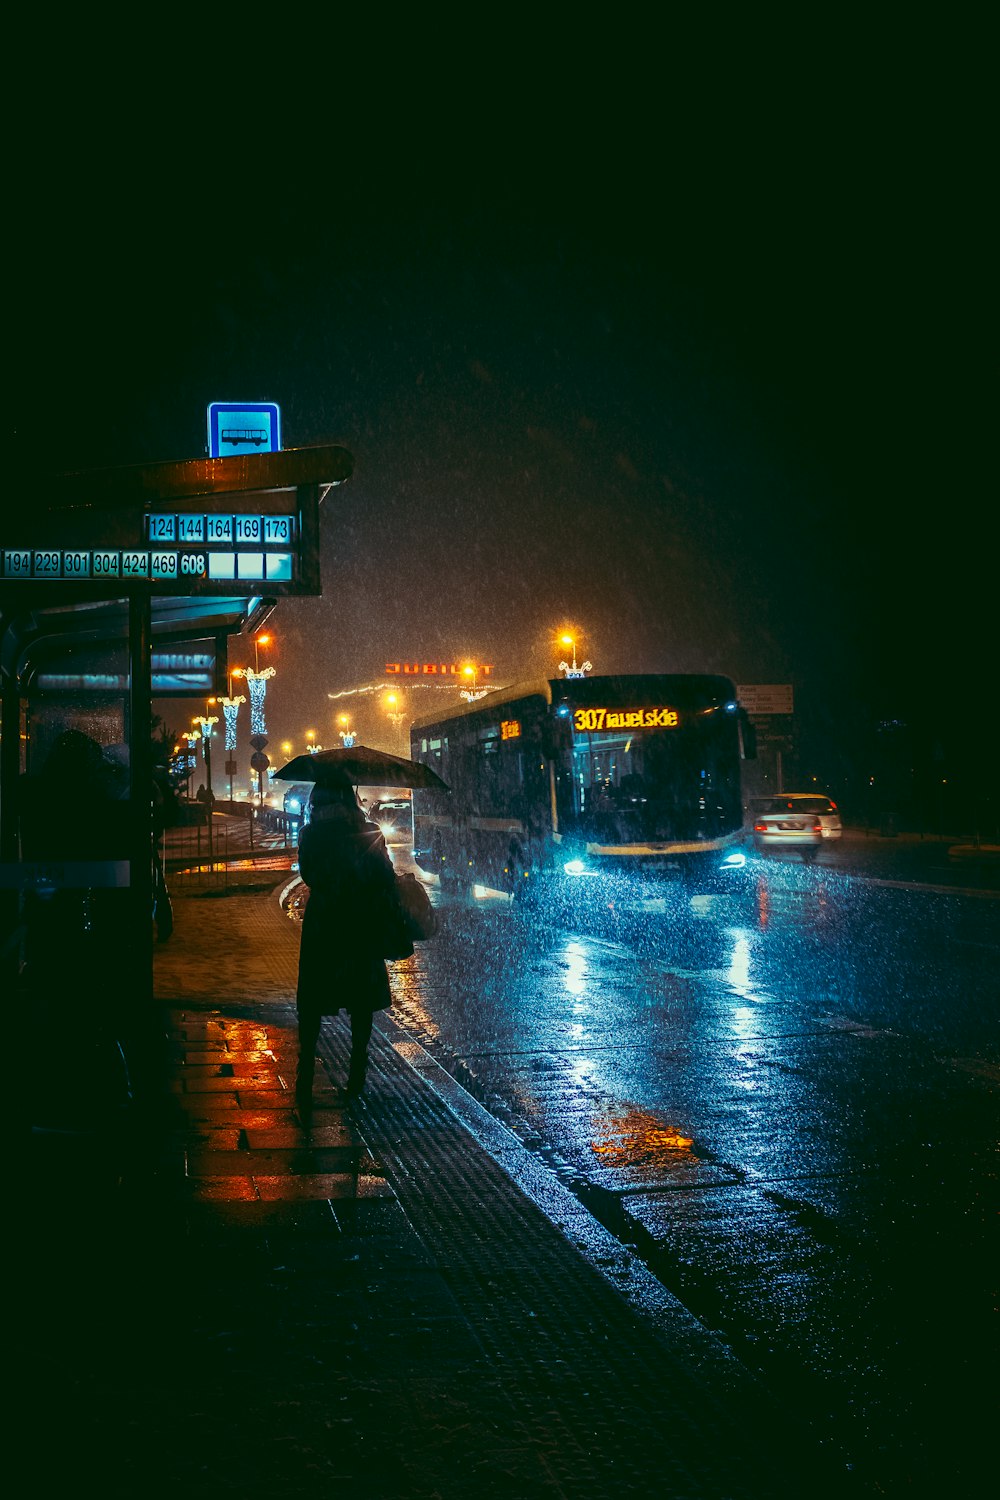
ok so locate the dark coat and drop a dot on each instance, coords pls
(344, 862)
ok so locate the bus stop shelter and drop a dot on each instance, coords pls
(118, 587)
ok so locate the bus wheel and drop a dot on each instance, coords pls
(456, 882)
(522, 880)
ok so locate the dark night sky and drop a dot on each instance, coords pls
(699, 370)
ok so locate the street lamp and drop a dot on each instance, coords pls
(347, 734)
(205, 724)
(259, 640)
(230, 712)
(192, 736)
(257, 682)
(570, 669)
(311, 744)
(394, 713)
(473, 691)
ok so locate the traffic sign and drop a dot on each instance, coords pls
(766, 698)
(243, 427)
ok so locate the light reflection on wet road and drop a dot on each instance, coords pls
(787, 1102)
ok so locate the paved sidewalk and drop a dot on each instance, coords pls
(397, 1302)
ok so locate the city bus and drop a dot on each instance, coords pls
(582, 776)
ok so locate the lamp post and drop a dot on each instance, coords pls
(192, 737)
(570, 669)
(311, 744)
(205, 724)
(471, 693)
(230, 711)
(347, 735)
(394, 713)
(257, 683)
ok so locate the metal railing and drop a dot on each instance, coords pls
(209, 852)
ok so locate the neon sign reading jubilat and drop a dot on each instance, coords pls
(432, 669)
(624, 718)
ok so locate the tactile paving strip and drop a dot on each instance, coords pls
(611, 1407)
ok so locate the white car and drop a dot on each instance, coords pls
(796, 820)
(394, 819)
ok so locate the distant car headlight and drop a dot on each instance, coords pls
(574, 867)
(734, 860)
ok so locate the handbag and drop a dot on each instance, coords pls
(405, 917)
(420, 917)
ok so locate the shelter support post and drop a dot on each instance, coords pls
(10, 770)
(140, 939)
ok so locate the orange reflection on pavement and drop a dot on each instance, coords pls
(641, 1138)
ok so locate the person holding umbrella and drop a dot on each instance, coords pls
(344, 861)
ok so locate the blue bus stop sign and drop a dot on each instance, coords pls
(243, 427)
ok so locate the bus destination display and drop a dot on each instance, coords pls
(591, 719)
(178, 548)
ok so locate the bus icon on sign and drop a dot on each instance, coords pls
(243, 427)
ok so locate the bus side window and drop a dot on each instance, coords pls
(555, 737)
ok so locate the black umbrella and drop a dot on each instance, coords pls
(361, 767)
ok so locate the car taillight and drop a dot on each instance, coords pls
(817, 828)
(760, 828)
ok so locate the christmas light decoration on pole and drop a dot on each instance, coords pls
(230, 713)
(205, 724)
(257, 683)
(192, 736)
(347, 735)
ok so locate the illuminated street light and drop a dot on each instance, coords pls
(260, 640)
(347, 734)
(205, 724)
(570, 669)
(392, 709)
(230, 712)
(257, 683)
(192, 736)
(474, 691)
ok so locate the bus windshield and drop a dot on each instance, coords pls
(662, 783)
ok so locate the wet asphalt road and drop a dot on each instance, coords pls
(786, 1101)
